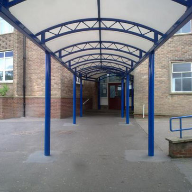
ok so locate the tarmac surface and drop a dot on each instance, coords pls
(99, 154)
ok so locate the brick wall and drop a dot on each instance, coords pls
(60, 107)
(180, 150)
(11, 107)
(178, 48)
(61, 82)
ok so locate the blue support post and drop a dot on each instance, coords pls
(99, 102)
(74, 99)
(127, 98)
(81, 97)
(47, 103)
(132, 98)
(151, 105)
(122, 98)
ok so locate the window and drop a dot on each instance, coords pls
(77, 80)
(103, 86)
(5, 27)
(185, 29)
(181, 77)
(6, 66)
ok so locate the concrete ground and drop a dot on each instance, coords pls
(99, 154)
(162, 131)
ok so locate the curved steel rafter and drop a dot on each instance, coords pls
(96, 56)
(95, 45)
(97, 63)
(111, 75)
(100, 68)
(98, 60)
(96, 72)
(107, 72)
(109, 24)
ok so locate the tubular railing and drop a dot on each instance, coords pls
(181, 129)
(85, 101)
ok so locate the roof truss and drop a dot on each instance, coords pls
(101, 50)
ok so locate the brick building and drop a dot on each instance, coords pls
(22, 68)
(173, 77)
(28, 78)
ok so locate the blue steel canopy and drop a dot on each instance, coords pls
(96, 37)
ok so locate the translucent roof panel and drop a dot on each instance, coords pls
(80, 32)
(71, 39)
(153, 13)
(127, 39)
(41, 14)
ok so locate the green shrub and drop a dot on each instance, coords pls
(3, 90)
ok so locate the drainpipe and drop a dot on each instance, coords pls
(24, 73)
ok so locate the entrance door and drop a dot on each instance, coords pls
(114, 96)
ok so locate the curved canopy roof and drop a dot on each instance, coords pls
(95, 37)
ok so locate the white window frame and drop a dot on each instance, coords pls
(11, 29)
(4, 70)
(175, 63)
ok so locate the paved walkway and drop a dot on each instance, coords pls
(99, 154)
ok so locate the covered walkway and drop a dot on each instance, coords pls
(101, 153)
(96, 38)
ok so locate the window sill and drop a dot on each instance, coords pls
(181, 93)
(6, 82)
(181, 34)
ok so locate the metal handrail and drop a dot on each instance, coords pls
(180, 122)
(85, 101)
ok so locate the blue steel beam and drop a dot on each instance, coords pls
(81, 97)
(103, 67)
(107, 49)
(105, 56)
(96, 62)
(122, 98)
(111, 75)
(89, 70)
(107, 72)
(47, 103)
(91, 45)
(96, 72)
(151, 77)
(187, 3)
(8, 4)
(127, 98)
(99, 101)
(112, 70)
(90, 80)
(108, 61)
(105, 22)
(99, 20)
(74, 99)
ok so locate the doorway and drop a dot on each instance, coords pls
(114, 96)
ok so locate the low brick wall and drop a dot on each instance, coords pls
(12, 107)
(180, 148)
(60, 107)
